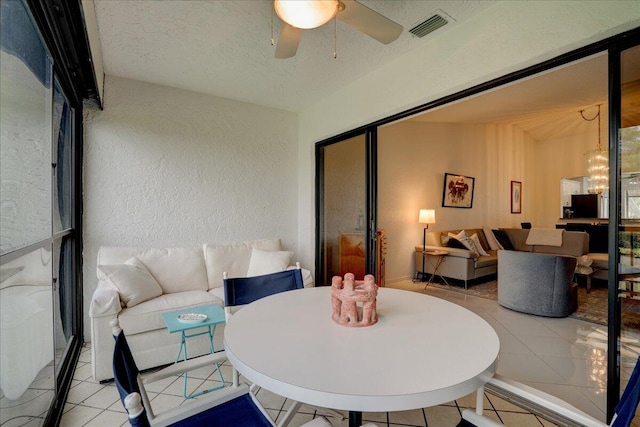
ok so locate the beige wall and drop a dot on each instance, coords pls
(566, 159)
(413, 157)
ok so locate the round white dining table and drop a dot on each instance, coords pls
(423, 351)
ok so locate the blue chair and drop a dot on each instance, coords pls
(227, 407)
(240, 291)
(244, 290)
(552, 407)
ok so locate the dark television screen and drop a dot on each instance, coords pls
(584, 205)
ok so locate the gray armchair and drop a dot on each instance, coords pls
(535, 283)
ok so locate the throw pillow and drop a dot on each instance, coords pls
(267, 262)
(491, 240)
(503, 240)
(476, 242)
(133, 281)
(463, 238)
(450, 242)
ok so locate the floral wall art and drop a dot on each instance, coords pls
(458, 191)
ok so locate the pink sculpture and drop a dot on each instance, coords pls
(353, 302)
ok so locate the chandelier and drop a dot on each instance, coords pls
(597, 163)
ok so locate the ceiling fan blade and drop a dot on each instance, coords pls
(369, 22)
(288, 41)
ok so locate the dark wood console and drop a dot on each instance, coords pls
(598, 234)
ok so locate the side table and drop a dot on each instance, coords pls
(439, 256)
(586, 272)
(214, 316)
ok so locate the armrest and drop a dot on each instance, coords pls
(455, 252)
(105, 301)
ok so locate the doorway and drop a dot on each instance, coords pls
(497, 139)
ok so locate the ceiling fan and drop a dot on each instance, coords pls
(298, 15)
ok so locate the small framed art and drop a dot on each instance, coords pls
(457, 191)
(516, 197)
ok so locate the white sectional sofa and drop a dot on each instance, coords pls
(137, 285)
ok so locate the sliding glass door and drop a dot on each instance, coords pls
(624, 284)
(344, 227)
(39, 244)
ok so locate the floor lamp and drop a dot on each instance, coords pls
(426, 217)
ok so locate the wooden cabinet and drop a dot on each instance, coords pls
(351, 255)
(381, 252)
(352, 249)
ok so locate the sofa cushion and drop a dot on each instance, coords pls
(574, 243)
(147, 316)
(267, 262)
(491, 240)
(464, 238)
(503, 240)
(452, 242)
(476, 242)
(599, 260)
(176, 269)
(161, 263)
(233, 258)
(133, 281)
(487, 260)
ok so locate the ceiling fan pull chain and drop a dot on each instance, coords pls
(272, 41)
(335, 37)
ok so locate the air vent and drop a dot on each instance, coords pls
(428, 26)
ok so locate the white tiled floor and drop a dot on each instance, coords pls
(563, 357)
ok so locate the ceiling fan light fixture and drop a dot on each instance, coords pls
(306, 14)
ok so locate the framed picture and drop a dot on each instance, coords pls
(516, 197)
(458, 191)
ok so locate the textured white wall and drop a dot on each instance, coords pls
(507, 36)
(167, 167)
(25, 156)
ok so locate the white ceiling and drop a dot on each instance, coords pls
(222, 48)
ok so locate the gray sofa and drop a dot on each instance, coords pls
(537, 283)
(465, 265)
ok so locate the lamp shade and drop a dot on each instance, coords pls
(427, 216)
(306, 14)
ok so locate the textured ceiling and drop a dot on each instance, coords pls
(222, 48)
(546, 105)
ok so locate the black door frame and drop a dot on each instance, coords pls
(371, 180)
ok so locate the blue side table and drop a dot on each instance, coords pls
(214, 315)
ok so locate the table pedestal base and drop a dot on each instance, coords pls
(355, 418)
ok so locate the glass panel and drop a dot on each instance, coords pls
(25, 131)
(62, 149)
(62, 296)
(344, 228)
(26, 337)
(629, 236)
